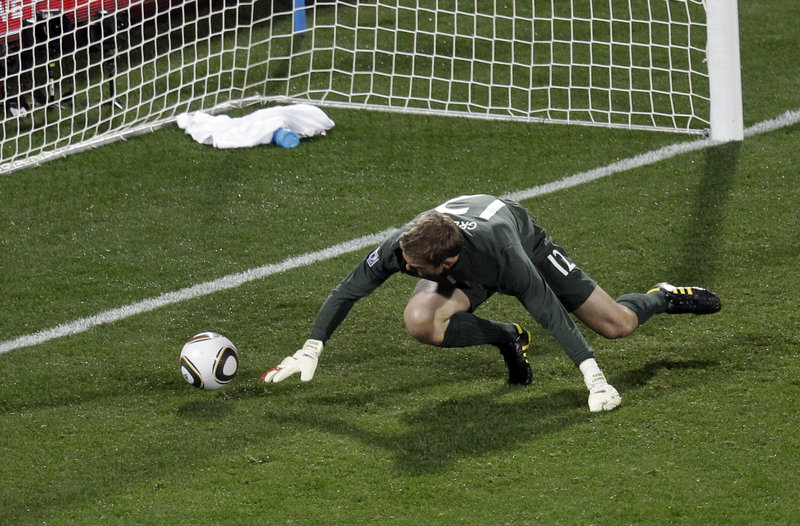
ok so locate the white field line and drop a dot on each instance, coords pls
(224, 283)
(234, 280)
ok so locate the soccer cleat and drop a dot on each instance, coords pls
(516, 356)
(692, 300)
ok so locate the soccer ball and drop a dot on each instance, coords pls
(209, 361)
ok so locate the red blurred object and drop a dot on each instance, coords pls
(14, 12)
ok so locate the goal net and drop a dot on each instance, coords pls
(75, 74)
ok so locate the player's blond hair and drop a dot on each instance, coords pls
(432, 237)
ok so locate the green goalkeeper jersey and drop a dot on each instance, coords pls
(502, 244)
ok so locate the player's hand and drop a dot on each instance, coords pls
(603, 397)
(303, 361)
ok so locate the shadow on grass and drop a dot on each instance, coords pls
(429, 438)
(695, 263)
(638, 378)
(205, 409)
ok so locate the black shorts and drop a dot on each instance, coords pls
(571, 285)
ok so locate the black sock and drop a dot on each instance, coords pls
(466, 329)
(644, 305)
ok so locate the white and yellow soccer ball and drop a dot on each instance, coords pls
(209, 361)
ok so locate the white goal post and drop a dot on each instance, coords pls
(78, 73)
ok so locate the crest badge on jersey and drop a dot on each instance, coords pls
(374, 257)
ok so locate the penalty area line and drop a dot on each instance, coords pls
(235, 280)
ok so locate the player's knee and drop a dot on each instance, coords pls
(615, 328)
(420, 323)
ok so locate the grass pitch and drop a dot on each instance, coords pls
(100, 428)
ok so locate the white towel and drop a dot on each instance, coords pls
(257, 128)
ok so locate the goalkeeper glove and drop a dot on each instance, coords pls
(602, 395)
(603, 398)
(303, 361)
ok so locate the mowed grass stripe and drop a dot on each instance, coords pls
(234, 280)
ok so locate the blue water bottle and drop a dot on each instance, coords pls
(285, 138)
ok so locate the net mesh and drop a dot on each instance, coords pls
(85, 74)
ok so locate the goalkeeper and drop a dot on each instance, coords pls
(467, 249)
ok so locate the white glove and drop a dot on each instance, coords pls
(303, 361)
(603, 397)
